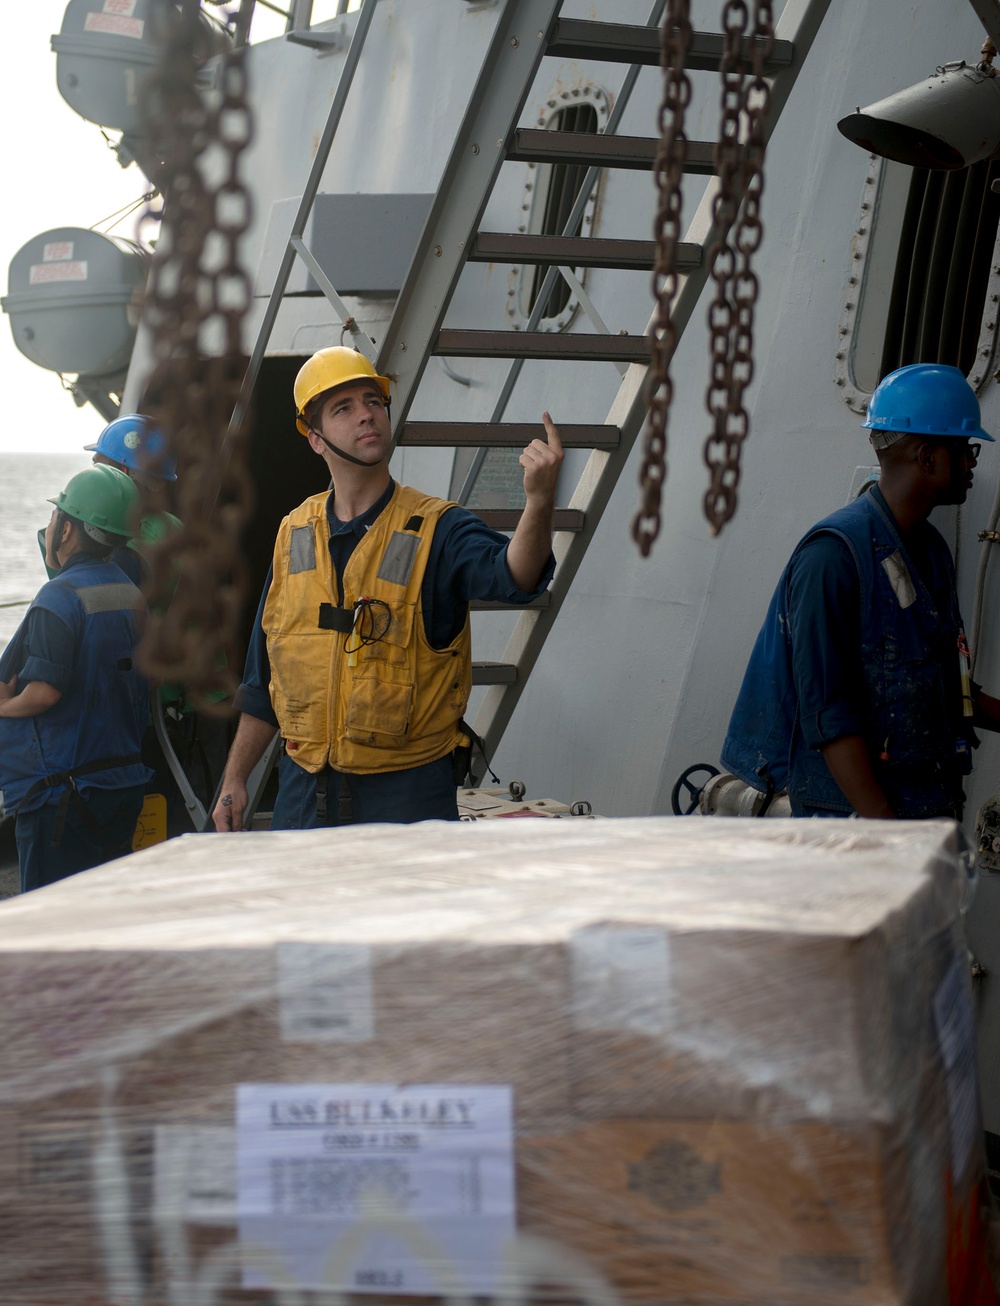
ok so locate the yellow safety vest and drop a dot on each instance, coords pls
(359, 688)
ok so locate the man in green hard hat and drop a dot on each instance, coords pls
(73, 707)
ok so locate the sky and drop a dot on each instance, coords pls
(58, 171)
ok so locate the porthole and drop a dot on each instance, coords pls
(923, 284)
(550, 192)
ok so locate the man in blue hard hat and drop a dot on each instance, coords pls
(136, 447)
(133, 445)
(857, 697)
(73, 708)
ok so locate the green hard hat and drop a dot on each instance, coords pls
(105, 501)
(154, 528)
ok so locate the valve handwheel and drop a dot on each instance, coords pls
(687, 788)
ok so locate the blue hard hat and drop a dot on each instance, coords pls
(926, 399)
(134, 442)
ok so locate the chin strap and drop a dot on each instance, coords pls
(347, 457)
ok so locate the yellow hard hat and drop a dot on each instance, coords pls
(327, 369)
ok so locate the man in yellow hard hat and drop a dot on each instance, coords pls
(361, 652)
(73, 708)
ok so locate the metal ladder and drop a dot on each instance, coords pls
(526, 31)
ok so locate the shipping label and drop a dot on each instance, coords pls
(325, 992)
(194, 1174)
(621, 979)
(375, 1188)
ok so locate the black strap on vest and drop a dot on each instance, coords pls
(769, 792)
(69, 779)
(461, 757)
(334, 618)
(77, 772)
(335, 793)
(369, 619)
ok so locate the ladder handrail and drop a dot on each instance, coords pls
(365, 16)
(799, 23)
(192, 802)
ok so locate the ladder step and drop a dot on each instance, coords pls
(482, 605)
(533, 145)
(505, 435)
(576, 38)
(506, 519)
(494, 673)
(569, 346)
(575, 251)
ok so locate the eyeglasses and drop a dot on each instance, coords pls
(971, 450)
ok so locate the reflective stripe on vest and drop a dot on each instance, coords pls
(116, 597)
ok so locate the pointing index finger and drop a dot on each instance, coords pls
(551, 432)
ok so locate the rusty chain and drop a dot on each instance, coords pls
(195, 303)
(675, 37)
(739, 157)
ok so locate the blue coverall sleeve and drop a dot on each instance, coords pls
(468, 560)
(49, 651)
(824, 595)
(254, 696)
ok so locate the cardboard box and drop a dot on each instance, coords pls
(719, 1211)
(740, 1052)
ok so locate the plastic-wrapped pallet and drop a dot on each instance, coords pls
(615, 1062)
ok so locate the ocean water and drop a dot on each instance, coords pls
(27, 480)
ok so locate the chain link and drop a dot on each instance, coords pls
(739, 157)
(675, 37)
(196, 299)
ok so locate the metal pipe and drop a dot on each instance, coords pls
(244, 17)
(724, 795)
(363, 341)
(299, 15)
(273, 7)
